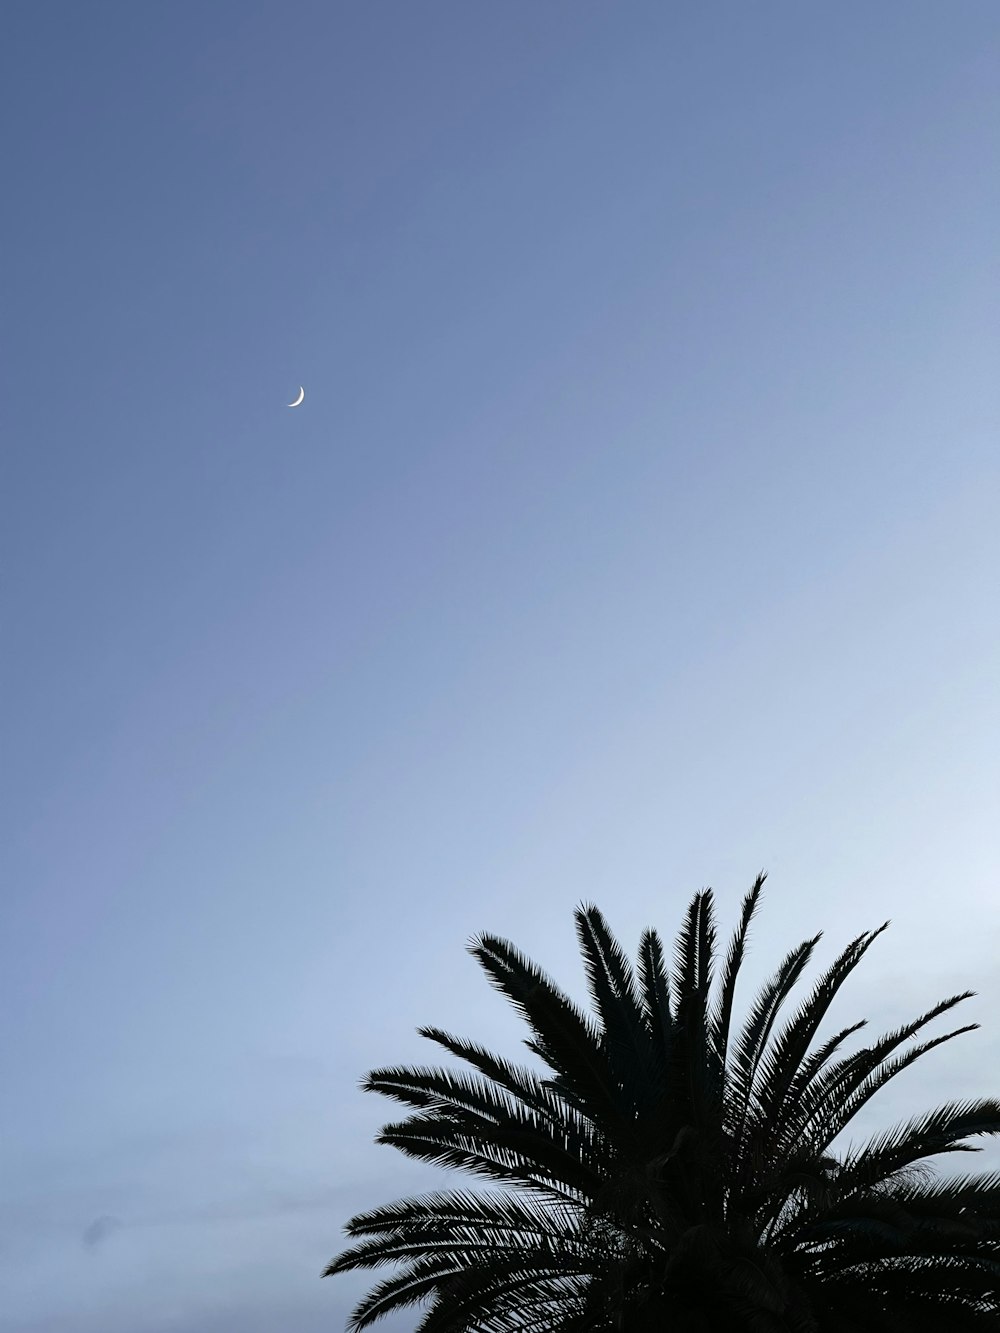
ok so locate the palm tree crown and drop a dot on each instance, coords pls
(665, 1172)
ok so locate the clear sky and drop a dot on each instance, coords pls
(639, 529)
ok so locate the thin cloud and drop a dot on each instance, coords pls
(101, 1228)
(98, 1231)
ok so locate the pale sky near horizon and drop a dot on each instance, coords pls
(638, 531)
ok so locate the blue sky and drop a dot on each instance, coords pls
(638, 530)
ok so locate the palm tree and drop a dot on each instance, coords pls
(664, 1172)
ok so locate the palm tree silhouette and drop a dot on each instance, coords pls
(663, 1173)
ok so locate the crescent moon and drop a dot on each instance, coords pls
(298, 401)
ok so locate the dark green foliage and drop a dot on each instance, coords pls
(666, 1174)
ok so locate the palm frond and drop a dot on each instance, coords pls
(563, 1037)
(628, 1042)
(497, 1154)
(886, 1071)
(840, 1080)
(783, 1058)
(654, 982)
(817, 1060)
(722, 1015)
(742, 1074)
(522, 1082)
(945, 1129)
